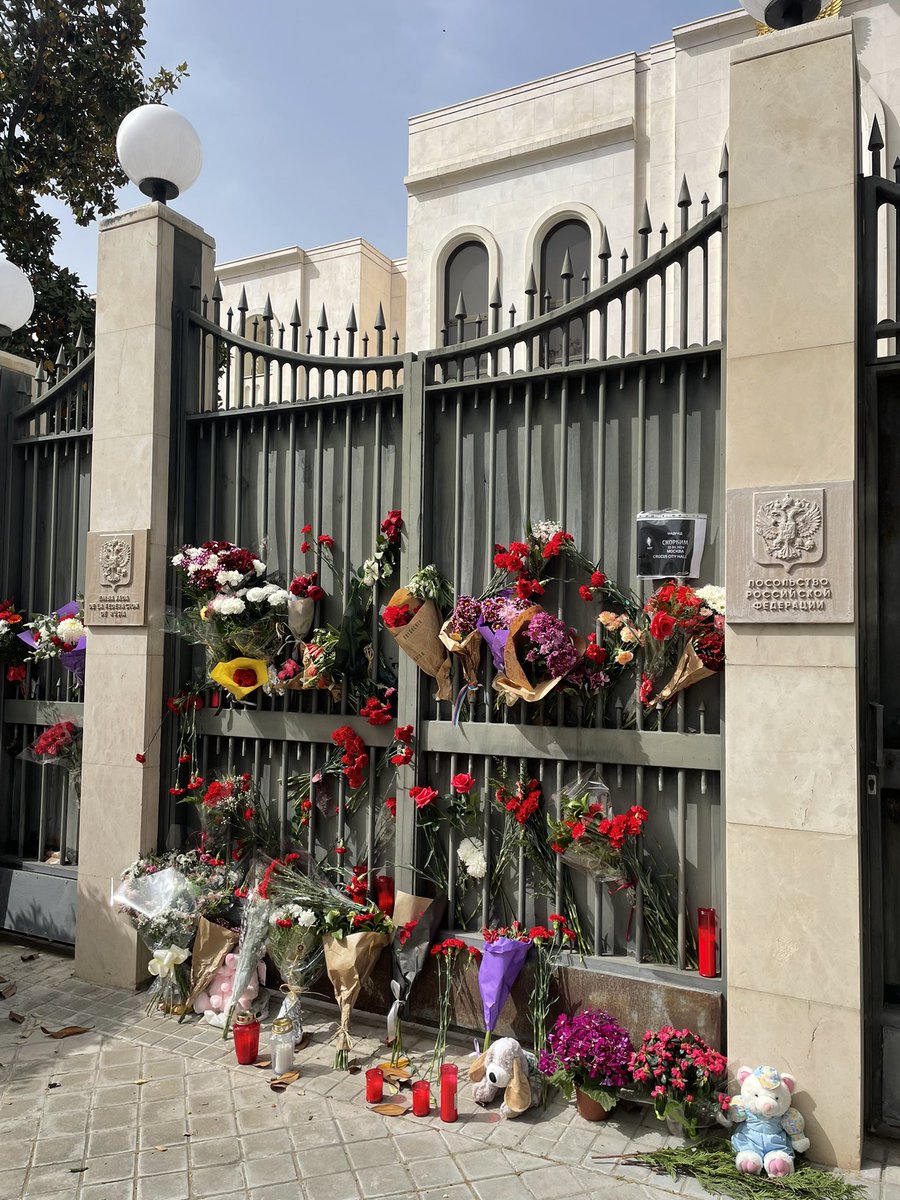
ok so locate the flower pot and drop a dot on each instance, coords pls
(591, 1110)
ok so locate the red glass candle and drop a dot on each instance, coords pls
(246, 1038)
(384, 893)
(449, 1084)
(421, 1093)
(707, 923)
(374, 1085)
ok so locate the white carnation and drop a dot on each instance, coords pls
(227, 606)
(543, 531)
(229, 578)
(259, 567)
(472, 858)
(257, 594)
(278, 598)
(177, 560)
(212, 563)
(193, 568)
(70, 630)
(713, 597)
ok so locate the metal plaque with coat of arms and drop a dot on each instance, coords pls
(790, 555)
(116, 585)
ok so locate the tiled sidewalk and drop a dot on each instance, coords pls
(76, 1123)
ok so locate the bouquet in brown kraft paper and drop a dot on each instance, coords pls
(352, 946)
(539, 652)
(413, 618)
(462, 638)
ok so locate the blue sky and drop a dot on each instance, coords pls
(302, 106)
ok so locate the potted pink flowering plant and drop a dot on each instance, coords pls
(682, 1075)
(588, 1054)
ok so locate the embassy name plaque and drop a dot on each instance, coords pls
(790, 555)
(116, 584)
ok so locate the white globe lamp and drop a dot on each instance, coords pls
(159, 151)
(783, 14)
(16, 298)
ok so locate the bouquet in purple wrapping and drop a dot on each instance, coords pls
(503, 958)
(59, 635)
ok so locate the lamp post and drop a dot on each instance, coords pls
(16, 298)
(159, 151)
(783, 14)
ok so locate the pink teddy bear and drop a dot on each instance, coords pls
(217, 996)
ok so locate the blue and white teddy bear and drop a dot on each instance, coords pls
(770, 1130)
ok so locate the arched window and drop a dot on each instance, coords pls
(574, 237)
(466, 273)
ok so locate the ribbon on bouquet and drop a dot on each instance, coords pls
(165, 961)
(395, 1012)
(464, 693)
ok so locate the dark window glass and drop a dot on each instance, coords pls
(466, 272)
(575, 237)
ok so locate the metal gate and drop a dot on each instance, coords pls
(879, 578)
(585, 415)
(46, 514)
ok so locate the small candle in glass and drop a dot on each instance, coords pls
(384, 894)
(449, 1085)
(245, 1028)
(707, 922)
(374, 1085)
(281, 1045)
(421, 1097)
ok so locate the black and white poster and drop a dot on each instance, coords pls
(670, 544)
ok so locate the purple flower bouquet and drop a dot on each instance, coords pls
(494, 621)
(501, 963)
(540, 651)
(588, 1053)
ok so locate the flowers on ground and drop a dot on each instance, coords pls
(681, 1074)
(591, 1052)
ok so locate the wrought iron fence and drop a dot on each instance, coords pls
(48, 479)
(584, 415)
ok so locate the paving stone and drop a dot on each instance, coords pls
(214, 1152)
(434, 1172)
(67, 1148)
(215, 1181)
(163, 1187)
(510, 1187)
(332, 1187)
(393, 1180)
(122, 1190)
(426, 1144)
(551, 1183)
(482, 1164)
(322, 1160)
(278, 1168)
(276, 1192)
(313, 1133)
(456, 1191)
(11, 1183)
(162, 1162)
(111, 1141)
(261, 1145)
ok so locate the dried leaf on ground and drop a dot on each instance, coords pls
(390, 1110)
(396, 1073)
(263, 1064)
(161, 1149)
(8, 990)
(31, 958)
(303, 1043)
(139, 1082)
(353, 1067)
(77, 1170)
(282, 1082)
(66, 1032)
(16, 1018)
(54, 1085)
(389, 1067)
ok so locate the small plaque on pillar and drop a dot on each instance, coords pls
(116, 586)
(789, 555)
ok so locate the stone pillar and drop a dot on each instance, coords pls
(148, 259)
(792, 842)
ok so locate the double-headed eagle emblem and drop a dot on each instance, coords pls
(789, 527)
(115, 562)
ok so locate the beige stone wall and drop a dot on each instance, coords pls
(792, 838)
(123, 696)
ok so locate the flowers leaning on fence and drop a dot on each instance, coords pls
(416, 921)
(549, 946)
(447, 955)
(413, 617)
(353, 943)
(60, 635)
(58, 746)
(589, 1053)
(588, 835)
(234, 817)
(540, 651)
(682, 1075)
(295, 948)
(12, 649)
(460, 635)
(503, 957)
